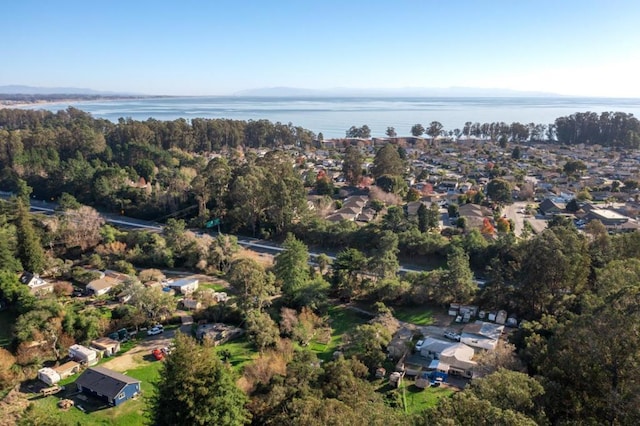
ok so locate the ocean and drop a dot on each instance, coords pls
(333, 116)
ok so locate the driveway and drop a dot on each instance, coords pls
(143, 348)
(511, 211)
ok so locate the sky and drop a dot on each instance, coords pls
(187, 47)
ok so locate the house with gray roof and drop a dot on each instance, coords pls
(110, 386)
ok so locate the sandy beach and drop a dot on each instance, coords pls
(16, 104)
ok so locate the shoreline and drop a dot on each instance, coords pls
(20, 104)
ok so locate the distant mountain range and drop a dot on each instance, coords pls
(31, 90)
(460, 92)
(407, 92)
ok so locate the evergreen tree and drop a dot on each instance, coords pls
(8, 259)
(196, 388)
(352, 165)
(433, 216)
(423, 218)
(460, 277)
(387, 162)
(292, 267)
(30, 250)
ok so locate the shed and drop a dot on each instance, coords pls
(108, 385)
(83, 355)
(191, 304)
(185, 285)
(107, 345)
(220, 297)
(423, 380)
(67, 369)
(49, 376)
(395, 377)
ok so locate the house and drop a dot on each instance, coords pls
(31, 280)
(606, 216)
(36, 284)
(108, 385)
(549, 207)
(83, 355)
(185, 285)
(218, 333)
(102, 285)
(67, 369)
(401, 343)
(455, 357)
(482, 335)
(49, 376)
(106, 346)
(474, 215)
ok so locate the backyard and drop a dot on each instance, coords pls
(130, 413)
(342, 319)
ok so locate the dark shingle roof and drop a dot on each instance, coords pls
(104, 381)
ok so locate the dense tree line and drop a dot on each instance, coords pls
(154, 169)
(615, 129)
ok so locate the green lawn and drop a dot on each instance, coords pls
(213, 286)
(417, 399)
(7, 319)
(413, 314)
(240, 351)
(131, 413)
(341, 320)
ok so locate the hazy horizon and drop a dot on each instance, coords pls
(571, 48)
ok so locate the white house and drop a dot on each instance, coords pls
(481, 335)
(102, 285)
(454, 357)
(83, 355)
(185, 285)
(35, 283)
(49, 376)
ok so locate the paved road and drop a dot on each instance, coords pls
(255, 244)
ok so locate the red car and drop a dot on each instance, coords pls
(157, 354)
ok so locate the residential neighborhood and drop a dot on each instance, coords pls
(419, 268)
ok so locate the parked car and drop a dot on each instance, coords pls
(451, 335)
(157, 354)
(155, 330)
(419, 345)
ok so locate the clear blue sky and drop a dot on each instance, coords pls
(210, 47)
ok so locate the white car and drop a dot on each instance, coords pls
(155, 330)
(419, 345)
(453, 336)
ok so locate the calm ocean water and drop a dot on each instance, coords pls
(333, 116)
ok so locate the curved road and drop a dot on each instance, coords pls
(255, 244)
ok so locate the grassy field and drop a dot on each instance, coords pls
(341, 320)
(7, 319)
(413, 314)
(131, 413)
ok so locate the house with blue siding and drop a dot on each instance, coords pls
(112, 387)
